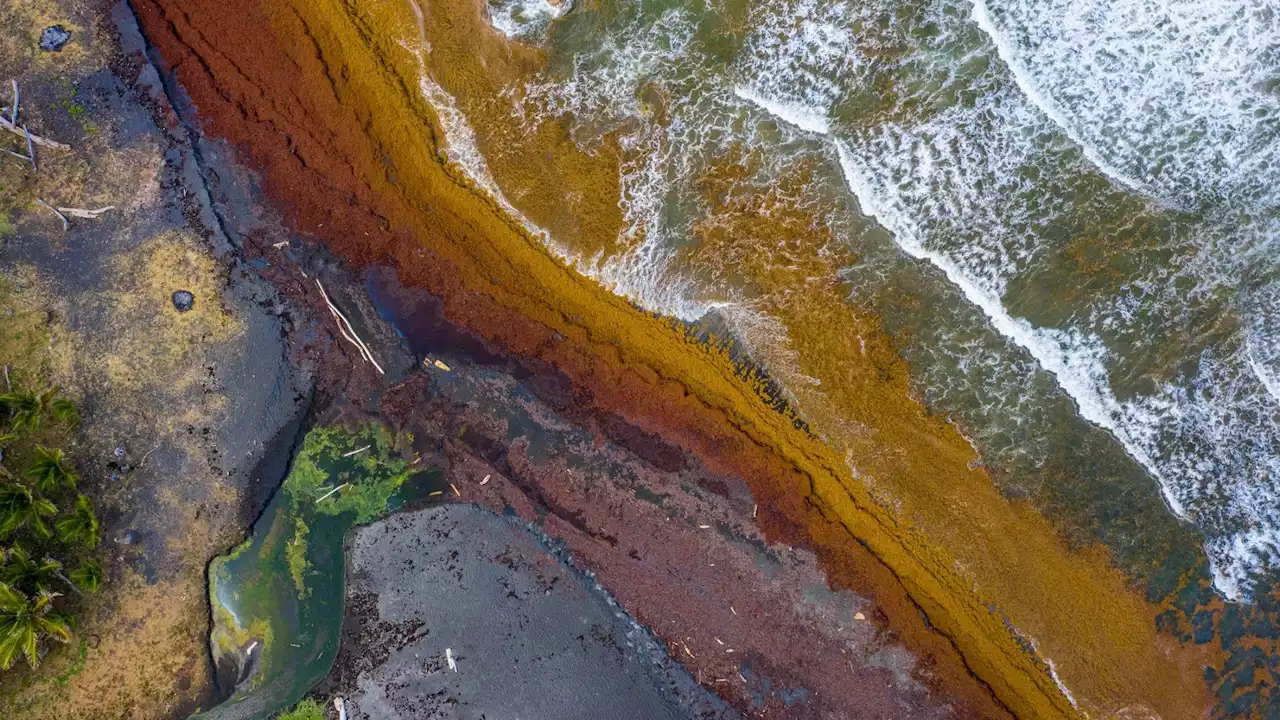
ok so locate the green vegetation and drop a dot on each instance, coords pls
(340, 472)
(35, 482)
(75, 110)
(295, 553)
(76, 667)
(306, 709)
(284, 586)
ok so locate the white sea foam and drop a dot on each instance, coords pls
(1176, 97)
(1264, 375)
(1075, 359)
(980, 174)
(637, 275)
(525, 18)
(799, 115)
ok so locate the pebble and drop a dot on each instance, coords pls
(54, 38)
(183, 300)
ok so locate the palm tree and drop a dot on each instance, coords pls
(27, 407)
(21, 508)
(24, 572)
(24, 622)
(81, 526)
(88, 575)
(51, 470)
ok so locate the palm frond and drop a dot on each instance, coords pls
(64, 411)
(88, 576)
(21, 508)
(81, 526)
(51, 470)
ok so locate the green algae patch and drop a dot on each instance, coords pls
(277, 598)
(296, 555)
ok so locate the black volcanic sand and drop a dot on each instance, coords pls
(529, 636)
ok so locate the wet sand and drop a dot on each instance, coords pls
(526, 635)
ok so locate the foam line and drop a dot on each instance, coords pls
(1022, 76)
(1078, 369)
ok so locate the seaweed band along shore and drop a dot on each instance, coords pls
(325, 99)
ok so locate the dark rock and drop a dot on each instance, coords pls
(126, 537)
(54, 38)
(183, 300)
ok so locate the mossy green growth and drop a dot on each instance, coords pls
(306, 709)
(296, 555)
(339, 472)
(284, 586)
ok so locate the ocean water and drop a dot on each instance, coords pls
(1082, 194)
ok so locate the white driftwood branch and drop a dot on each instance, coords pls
(349, 332)
(31, 150)
(54, 210)
(86, 214)
(322, 497)
(36, 139)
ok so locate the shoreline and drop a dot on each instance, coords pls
(496, 283)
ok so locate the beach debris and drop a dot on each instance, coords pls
(718, 640)
(357, 451)
(687, 651)
(434, 493)
(280, 244)
(54, 38)
(753, 510)
(126, 537)
(5, 124)
(349, 332)
(143, 461)
(31, 149)
(9, 385)
(54, 210)
(249, 649)
(859, 616)
(341, 707)
(703, 527)
(18, 155)
(455, 489)
(84, 213)
(448, 656)
(735, 612)
(119, 452)
(482, 482)
(183, 300)
(17, 98)
(440, 364)
(322, 497)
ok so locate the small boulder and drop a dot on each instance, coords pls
(183, 300)
(54, 38)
